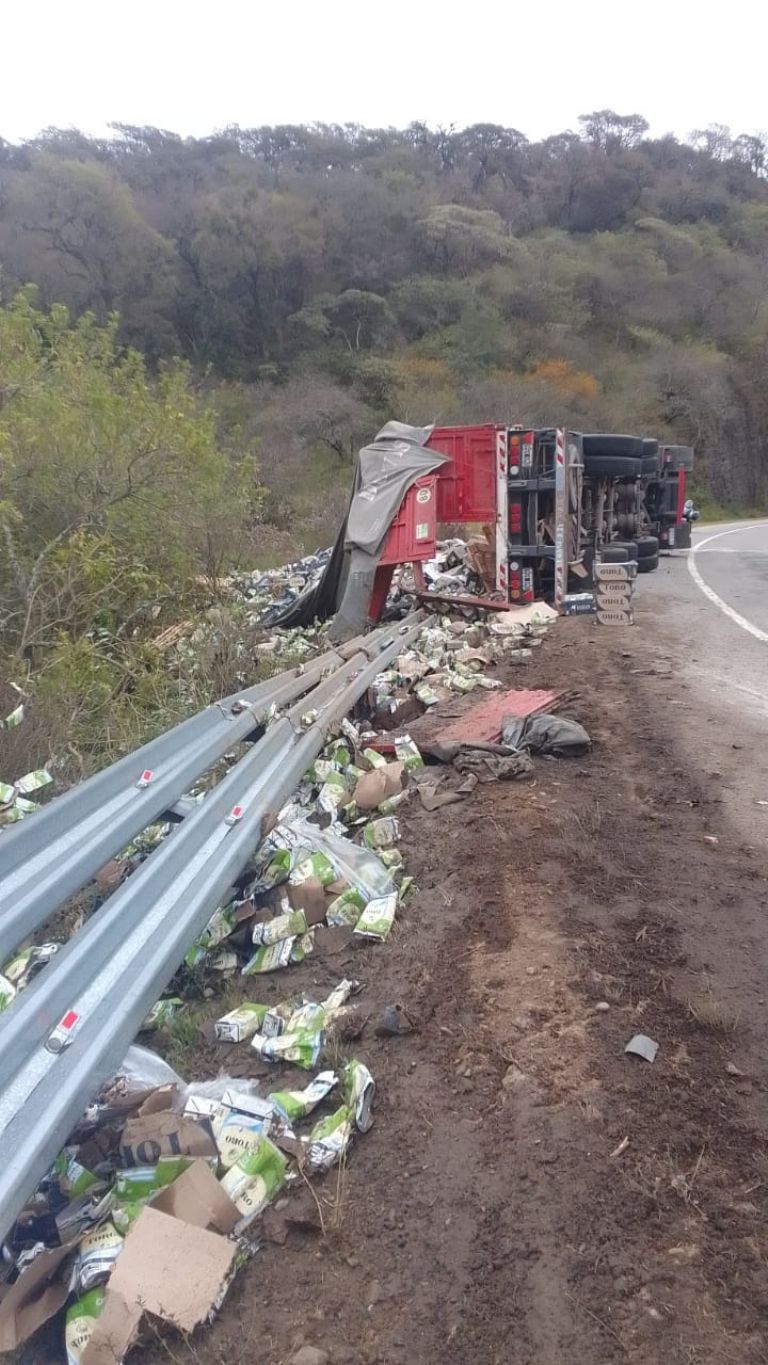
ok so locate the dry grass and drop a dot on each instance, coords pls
(712, 1014)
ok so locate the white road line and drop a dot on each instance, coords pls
(712, 595)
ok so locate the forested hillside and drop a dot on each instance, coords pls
(323, 277)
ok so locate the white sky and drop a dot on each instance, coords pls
(193, 65)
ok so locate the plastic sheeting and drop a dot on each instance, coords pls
(384, 472)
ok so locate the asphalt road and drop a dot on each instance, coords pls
(715, 601)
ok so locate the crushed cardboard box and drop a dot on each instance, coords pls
(171, 1266)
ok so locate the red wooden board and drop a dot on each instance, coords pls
(483, 720)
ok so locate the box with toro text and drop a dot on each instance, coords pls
(621, 573)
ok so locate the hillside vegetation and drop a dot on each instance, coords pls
(197, 334)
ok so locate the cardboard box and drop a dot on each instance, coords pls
(618, 587)
(613, 601)
(613, 572)
(579, 604)
(171, 1265)
(149, 1137)
(37, 1295)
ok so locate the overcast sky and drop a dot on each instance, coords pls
(193, 66)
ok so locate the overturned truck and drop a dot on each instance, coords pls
(550, 503)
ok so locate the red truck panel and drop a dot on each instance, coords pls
(466, 488)
(411, 537)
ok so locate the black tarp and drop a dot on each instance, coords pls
(384, 472)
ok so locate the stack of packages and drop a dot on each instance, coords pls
(614, 591)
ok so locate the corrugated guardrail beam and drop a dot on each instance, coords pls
(48, 1094)
(27, 1022)
(54, 866)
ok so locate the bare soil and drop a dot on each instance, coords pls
(530, 1195)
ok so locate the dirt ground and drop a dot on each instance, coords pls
(528, 1194)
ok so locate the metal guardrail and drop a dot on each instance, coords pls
(45, 860)
(45, 1092)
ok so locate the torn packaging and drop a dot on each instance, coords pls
(165, 1250)
(150, 1137)
(168, 1267)
(40, 1291)
(379, 785)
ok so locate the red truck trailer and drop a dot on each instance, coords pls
(551, 501)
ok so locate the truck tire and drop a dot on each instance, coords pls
(614, 554)
(647, 547)
(623, 447)
(629, 545)
(648, 564)
(650, 447)
(612, 466)
(650, 465)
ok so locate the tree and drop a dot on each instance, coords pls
(74, 229)
(112, 486)
(610, 132)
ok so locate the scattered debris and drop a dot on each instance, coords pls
(546, 734)
(642, 1046)
(622, 1147)
(155, 1196)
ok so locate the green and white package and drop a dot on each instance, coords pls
(333, 793)
(391, 803)
(219, 927)
(319, 770)
(32, 782)
(303, 946)
(340, 754)
(296, 1104)
(162, 1012)
(377, 917)
(7, 993)
(72, 1177)
(240, 1023)
(277, 1018)
(24, 965)
(338, 997)
(301, 1047)
(407, 753)
(254, 1180)
(15, 717)
(358, 1088)
(96, 1255)
(382, 833)
(282, 926)
(345, 909)
(7, 793)
(270, 957)
(329, 1139)
(80, 1322)
(134, 1187)
(307, 1016)
(313, 865)
(392, 858)
(426, 694)
(375, 759)
(237, 1135)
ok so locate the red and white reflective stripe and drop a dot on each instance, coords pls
(561, 511)
(502, 529)
(62, 1035)
(146, 778)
